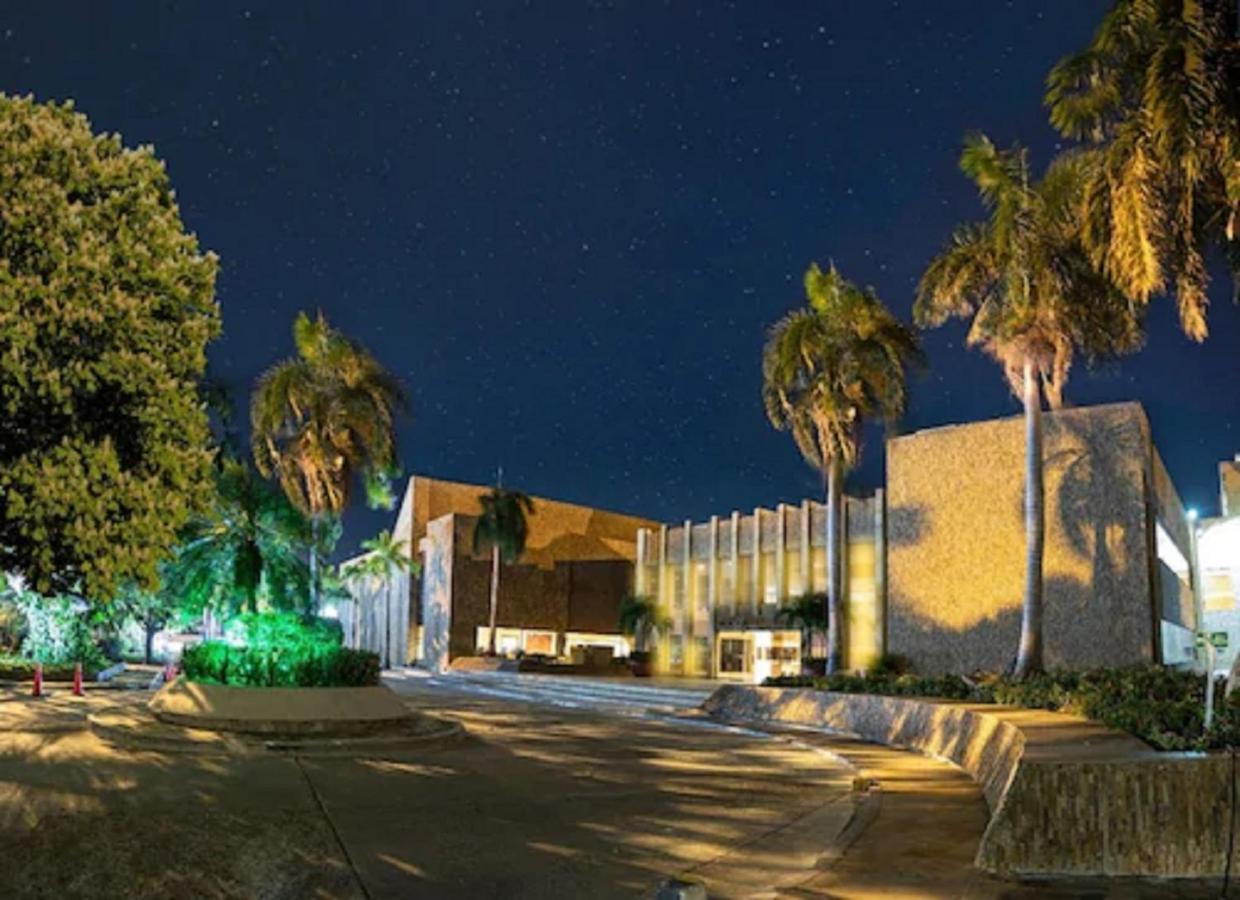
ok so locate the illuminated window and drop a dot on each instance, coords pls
(818, 567)
(1219, 593)
(770, 587)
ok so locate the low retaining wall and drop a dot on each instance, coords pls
(1067, 796)
(351, 711)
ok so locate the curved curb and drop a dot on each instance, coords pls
(143, 734)
(864, 800)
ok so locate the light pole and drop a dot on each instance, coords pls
(1203, 639)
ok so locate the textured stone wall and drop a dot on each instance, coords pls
(956, 543)
(573, 595)
(1067, 797)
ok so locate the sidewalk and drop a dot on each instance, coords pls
(922, 840)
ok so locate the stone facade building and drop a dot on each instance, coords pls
(1118, 589)
(565, 590)
(723, 583)
(935, 564)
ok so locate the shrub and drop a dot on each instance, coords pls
(58, 631)
(302, 665)
(19, 668)
(285, 630)
(890, 664)
(1162, 706)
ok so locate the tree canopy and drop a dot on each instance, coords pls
(106, 309)
(1156, 94)
(829, 366)
(246, 548)
(325, 418)
(1023, 275)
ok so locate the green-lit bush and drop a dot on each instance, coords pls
(1162, 706)
(300, 665)
(283, 630)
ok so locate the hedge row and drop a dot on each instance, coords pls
(298, 666)
(19, 668)
(1161, 706)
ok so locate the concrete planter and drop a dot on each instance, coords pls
(1066, 796)
(280, 712)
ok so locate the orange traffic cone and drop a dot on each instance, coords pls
(77, 679)
(38, 680)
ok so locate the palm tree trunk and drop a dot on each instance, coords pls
(834, 637)
(1029, 657)
(494, 598)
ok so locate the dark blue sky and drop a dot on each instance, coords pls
(567, 224)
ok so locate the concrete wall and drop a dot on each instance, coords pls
(1067, 797)
(956, 544)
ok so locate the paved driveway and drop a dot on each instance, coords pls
(558, 790)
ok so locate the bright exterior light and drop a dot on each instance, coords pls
(1192, 514)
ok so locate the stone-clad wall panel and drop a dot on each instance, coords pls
(956, 543)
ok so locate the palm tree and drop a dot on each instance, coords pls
(805, 613)
(385, 558)
(501, 529)
(826, 369)
(1034, 299)
(1155, 93)
(639, 616)
(247, 545)
(323, 419)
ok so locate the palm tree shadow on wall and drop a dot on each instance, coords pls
(1100, 504)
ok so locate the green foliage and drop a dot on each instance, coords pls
(20, 668)
(503, 523)
(245, 548)
(808, 612)
(300, 665)
(1154, 95)
(325, 418)
(1164, 707)
(106, 310)
(281, 630)
(828, 367)
(639, 616)
(1022, 275)
(58, 630)
(890, 664)
(385, 558)
(12, 623)
(907, 685)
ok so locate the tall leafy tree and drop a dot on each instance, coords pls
(324, 420)
(501, 530)
(1157, 94)
(245, 548)
(826, 369)
(106, 309)
(1023, 278)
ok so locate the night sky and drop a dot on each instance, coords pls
(566, 225)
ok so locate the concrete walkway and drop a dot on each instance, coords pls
(535, 802)
(920, 835)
